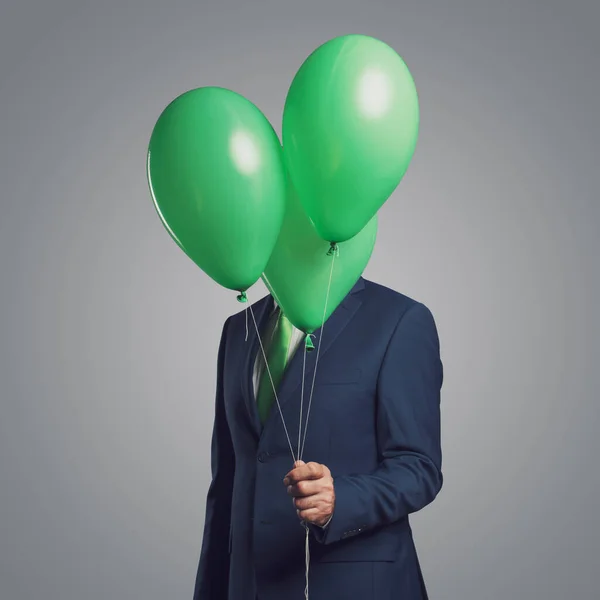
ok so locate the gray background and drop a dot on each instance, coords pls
(109, 333)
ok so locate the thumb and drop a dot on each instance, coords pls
(299, 463)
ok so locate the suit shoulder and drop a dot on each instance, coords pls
(387, 300)
(383, 295)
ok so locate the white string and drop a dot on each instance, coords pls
(307, 560)
(301, 451)
(307, 546)
(301, 400)
(246, 311)
(300, 446)
(272, 382)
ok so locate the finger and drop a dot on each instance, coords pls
(297, 464)
(317, 501)
(296, 474)
(306, 487)
(311, 515)
(311, 470)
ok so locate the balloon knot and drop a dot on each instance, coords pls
(242, 297)
(309, 343)
(333, 249)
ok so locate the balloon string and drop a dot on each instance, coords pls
(333, 256)
(333, 252)
(308, 346)
(305, 525)
(302, 399)
(307, 560)
(243, 298)
(264, 355)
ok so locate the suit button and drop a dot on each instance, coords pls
(263, 456)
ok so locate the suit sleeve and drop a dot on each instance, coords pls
(213, 568)
(409, 474)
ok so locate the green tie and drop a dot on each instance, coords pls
(277, 358)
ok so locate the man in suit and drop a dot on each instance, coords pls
(372, 453)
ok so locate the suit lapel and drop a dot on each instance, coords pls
(262, 310)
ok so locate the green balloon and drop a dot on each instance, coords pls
(298, 272)
(350, 127)
(216, 175)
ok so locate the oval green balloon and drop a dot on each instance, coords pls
(298, 272)
(350, 127)
(216, 175)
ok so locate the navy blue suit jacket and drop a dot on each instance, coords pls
(374, 421)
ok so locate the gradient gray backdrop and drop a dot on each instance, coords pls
(108, 333)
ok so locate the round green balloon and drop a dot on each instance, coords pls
(216, 174)
(298, 272)
(350, 127)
